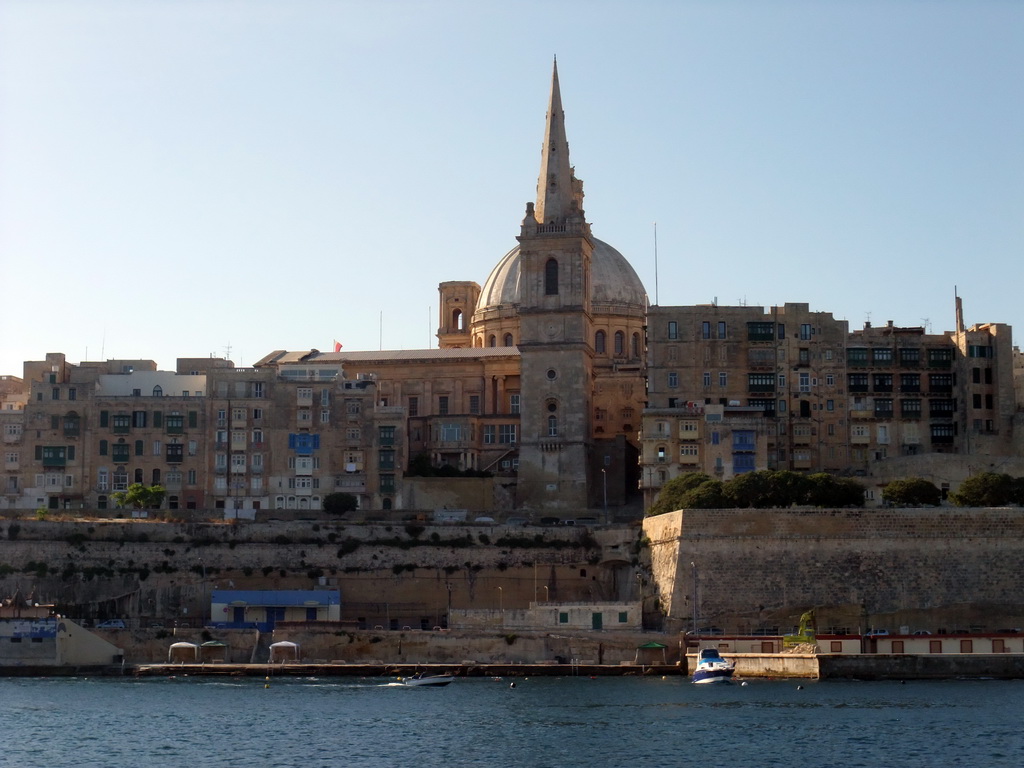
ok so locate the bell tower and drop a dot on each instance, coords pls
(556, 330)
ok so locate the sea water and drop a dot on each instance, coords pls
(571, 721)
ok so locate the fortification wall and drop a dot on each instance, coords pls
(930, 568)
(407, 574)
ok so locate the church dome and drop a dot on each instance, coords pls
(614, 283)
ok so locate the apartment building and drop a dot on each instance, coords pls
(832, 400)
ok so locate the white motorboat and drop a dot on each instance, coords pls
(423, 679)
(712, 668)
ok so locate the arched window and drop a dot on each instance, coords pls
(620, 344)
(158, 392)
(599, 342)
(139, 448)
(457, 319)
(636, 346)
(279, 502)
(508, 339)
(386, 503)
(493, 341)
(138, 475)
(156, 477)
(172, 502)
(551, 277)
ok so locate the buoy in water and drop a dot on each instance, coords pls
(511, 685)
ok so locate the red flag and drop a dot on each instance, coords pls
(337, 346)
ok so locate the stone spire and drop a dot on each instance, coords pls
(559, 193)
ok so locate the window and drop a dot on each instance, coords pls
(620, 344)
(761, 382)
(723, 379)
(673, 330)
(513, 403)
(139, 448)
(175, 453)
(830, 380)
(758, 331)
(442, 405)
(551, 277)
(492, 341)
(103, 480)
(881, 355)
(857, 356)
(121, 424)
(552, 426)
(506, 433)
(599, 342)
(507, 341)
(705, 330)
(474, 403)
(120, 453)
(386, 435)
(386, 459)
(451, 432)
(673, 379)
(830, 405)
(414, 406)
(707, 378)
(721, 329)
(489, 433)
(806, 331)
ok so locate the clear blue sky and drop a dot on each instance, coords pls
(178, 177)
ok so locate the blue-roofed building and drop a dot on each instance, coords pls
(262, 609)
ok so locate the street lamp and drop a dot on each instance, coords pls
(501, 599)
(604, 481)
(547, 594)
(694, 567)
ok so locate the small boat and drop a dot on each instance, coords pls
(712, 668)
(423, 679)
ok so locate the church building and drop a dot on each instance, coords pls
(540, 373)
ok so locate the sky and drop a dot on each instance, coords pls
(193, 178)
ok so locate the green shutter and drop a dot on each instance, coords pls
(103, 447)
(71, 453)
(39, 452)
(54, 422)
(193, 419)
(158, 419)
(104, 418)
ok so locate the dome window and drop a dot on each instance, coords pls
(600, 341)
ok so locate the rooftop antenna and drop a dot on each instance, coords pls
(227, 351)
(656, 263)
(926, 323)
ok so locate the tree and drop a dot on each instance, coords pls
(707, 495)
(989, 489)
(912, 491)
(670, 498)
(748, 490)
(824, 490)
(785, 489)
(139, 496)
(340, 503)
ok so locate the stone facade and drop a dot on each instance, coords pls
(757, 570)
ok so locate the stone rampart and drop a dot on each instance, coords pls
(884, 568)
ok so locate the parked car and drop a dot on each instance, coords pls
(876, 633)
(112, 624)
(920, 632)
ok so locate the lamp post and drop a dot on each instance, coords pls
(547, 594)
(501, 599)
(693, 566)
(604, 482)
